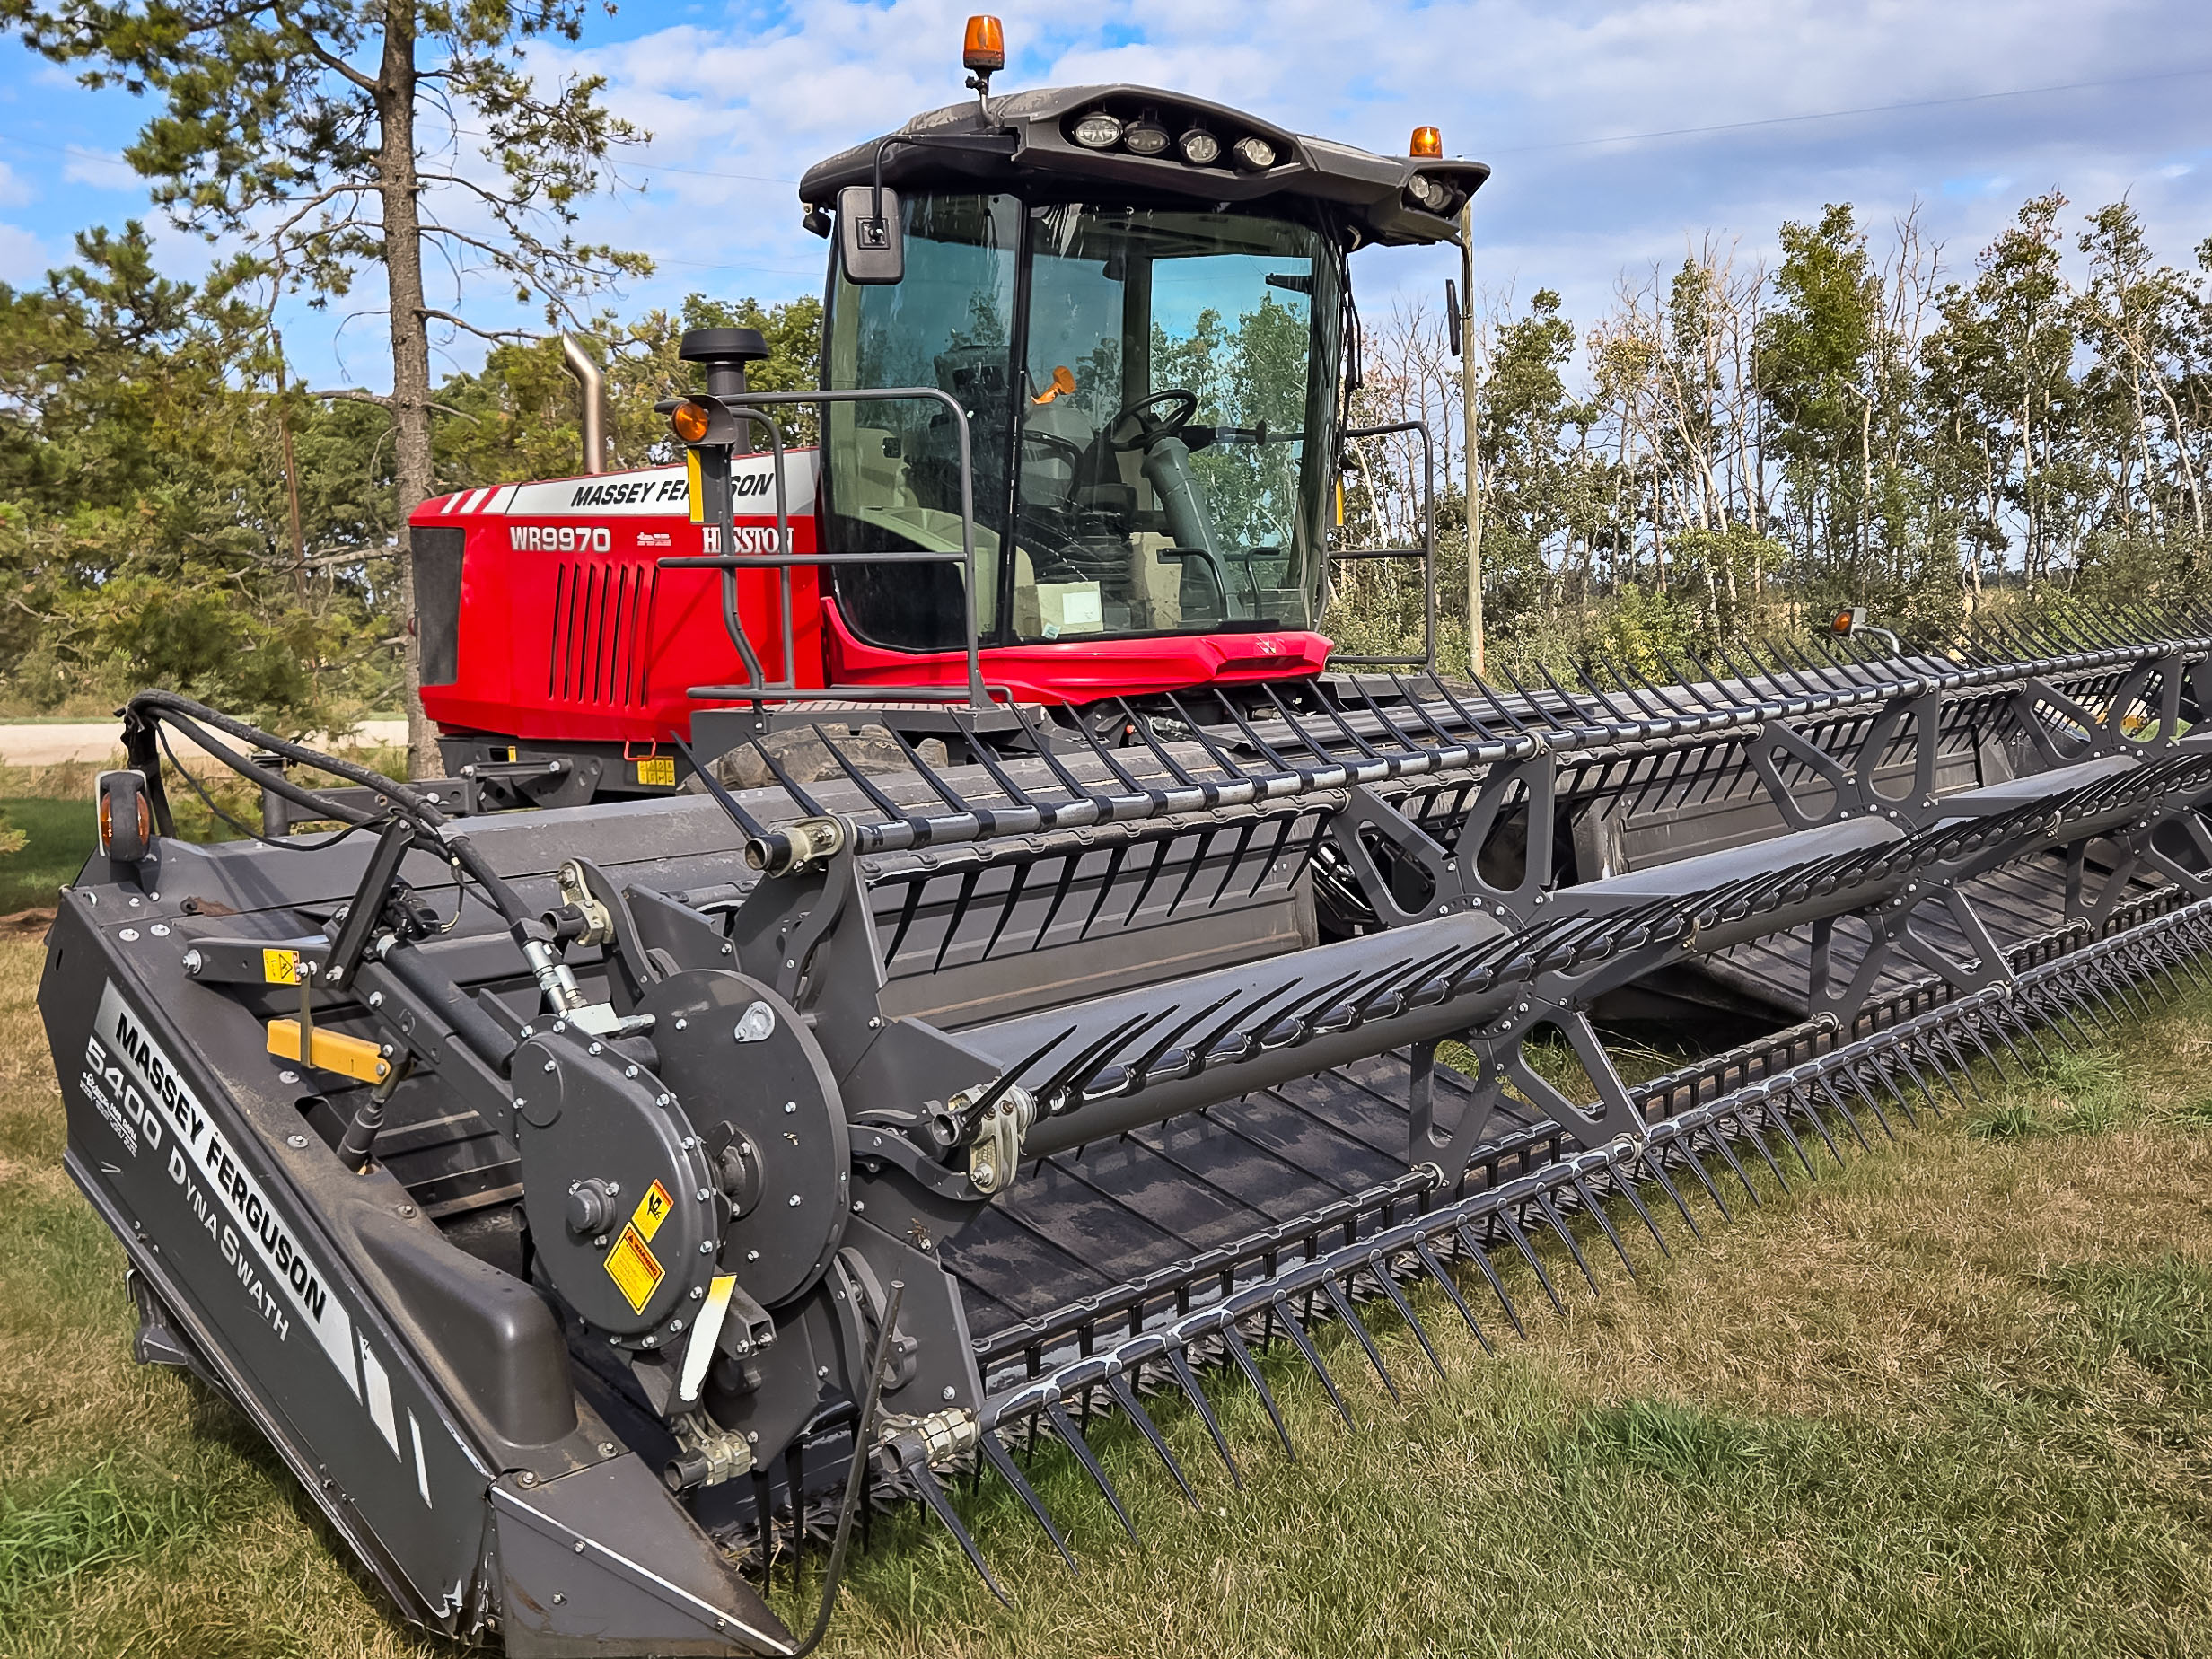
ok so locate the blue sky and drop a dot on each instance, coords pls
(1562, 99)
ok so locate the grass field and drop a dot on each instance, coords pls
(1954, 1399)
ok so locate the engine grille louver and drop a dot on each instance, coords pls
(602, 617)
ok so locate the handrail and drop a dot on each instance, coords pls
(1426, 552)
(759, 689)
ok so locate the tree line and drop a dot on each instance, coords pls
(1732, 447)
(1736, 446)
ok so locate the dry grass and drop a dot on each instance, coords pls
(1956, 1398)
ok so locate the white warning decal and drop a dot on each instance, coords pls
(275, 1274)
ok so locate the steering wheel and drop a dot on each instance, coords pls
(1151, 427)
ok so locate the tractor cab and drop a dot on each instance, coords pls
(1137, 304)
(1080, 419)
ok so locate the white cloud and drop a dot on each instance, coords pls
(101, 169)
(738, 107)
(13, 191)
(22, 256)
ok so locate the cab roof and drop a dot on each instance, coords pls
(1027, 142)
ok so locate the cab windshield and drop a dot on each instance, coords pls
(1149, 394)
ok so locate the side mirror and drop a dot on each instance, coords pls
(870, 240)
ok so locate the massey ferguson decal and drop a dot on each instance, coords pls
(129, 1079)
(662, 492)
(628, 492)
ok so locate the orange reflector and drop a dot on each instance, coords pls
(985, 48)
(1426, 141)
(690, 422)
(107, 820)
(352, 1056)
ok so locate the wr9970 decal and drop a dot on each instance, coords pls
(561, 538)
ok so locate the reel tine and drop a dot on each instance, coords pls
(1345, 1310)
(1904, 1052)
(764, 1508)
(1659, 1173)
(1304, 1342)
(1473, 1247)
(1813, 1116)
(1949, 1073)
(1566, 1237)
(1750, 1120)
(915, 1461)
(1720, 1142)
(1626, 1188)
(1857, 1079)
(1009, 1471)
(1118, 1382)
(1512, 1225)
(1234, 1340)
(1180, 1363)
(1973, 1035)
(1389, 1282)
(1837, 1100)
(1596, 1211)
(1064, 1426)
(1705, 1179)
(1429, 1259)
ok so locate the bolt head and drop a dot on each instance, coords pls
(949, 1394)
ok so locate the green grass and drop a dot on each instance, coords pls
(60, 835)
(1956, 1399)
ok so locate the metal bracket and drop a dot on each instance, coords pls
(1501, 1060)
(1452, 873)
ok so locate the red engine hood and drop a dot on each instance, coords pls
(1083, 670)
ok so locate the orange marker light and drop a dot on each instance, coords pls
(984, 52)
(690, 422)
(1426, 141)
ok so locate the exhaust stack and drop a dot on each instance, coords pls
(593, 386)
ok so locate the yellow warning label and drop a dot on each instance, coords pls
(652, 1210)
(658, 769)
(693, 485)
(635, 1269)
(280, 967)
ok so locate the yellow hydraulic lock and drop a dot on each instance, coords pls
(355, 1057)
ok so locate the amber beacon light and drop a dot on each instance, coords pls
(984, 51)
(1426, 141)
